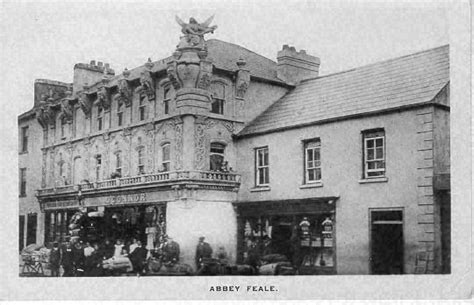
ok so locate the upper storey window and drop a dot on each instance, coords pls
(100, 117)
(141, 161)
(312, 161)
(120, 114)
(141, 108)
(24, 139)
(262, 167)
(22, 182)
(165, 157)
(218, 97)
(118, 163)
(216, 156)
(374, 153)
(166, 99)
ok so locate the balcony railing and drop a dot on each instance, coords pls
(146, 179)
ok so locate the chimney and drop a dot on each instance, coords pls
(89, 74)
(294, 66)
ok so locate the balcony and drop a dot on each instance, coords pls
(220, 180)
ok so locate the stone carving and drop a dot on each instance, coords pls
(85, 103)
(46, 112)
(103, 98)
(106, 135)
(124, 95)
(200, 147)
(147, 86)
(243, 79)
(150, 147)
(196, 28)
(178, 126)
(205, 76)
(127, 131)
(43, 168)
(172, 75)
(67, 109)
(227, 124)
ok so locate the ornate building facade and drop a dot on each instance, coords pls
(218, 141)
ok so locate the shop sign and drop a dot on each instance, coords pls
(124, 199)
(61, 204)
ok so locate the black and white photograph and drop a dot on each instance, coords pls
(253, 148)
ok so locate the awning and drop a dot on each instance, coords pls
(313, 205)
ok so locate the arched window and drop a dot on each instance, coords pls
(216, 156)
(98, 165)
(165, 157)
(218, 97)
(118, 163)
(63, 128)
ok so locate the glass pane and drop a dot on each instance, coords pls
(370, 143)
(371, 165)
(310, 164)
(267, 177)
(266, 157)
(217, 148)
(380, 164)
(166, 152)
(318, 174)
(317, 163)
(261, 176)
(379, 153)
(379, 142)
(216, 162)
(375, 174)
(370, 154)
(311, 175)
(309, 154)
(317, 154)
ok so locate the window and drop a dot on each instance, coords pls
(374, 153)
(118, 163)
(98, 165)
(166, 100)
(141, 108)
(141, 165)
(24, 139)
(216, 156)
(100, 112)
(312, 161)
(165, 157)
(218, 98)
(22, 182)
(262, 166)
(120, 114)
(63, 128)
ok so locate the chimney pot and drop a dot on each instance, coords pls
(285, 46)
(107, 65)
(92, 62)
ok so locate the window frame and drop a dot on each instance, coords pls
(314, 147)
(100, 116)
(166, 99)
(22, 190)
(118, 162)
(166, 163)
(24, 139)
(258, 167)
(98, 166)
(141, 108)
(218, 100)
(119, 114)
(141, 159)
(63, 123)
(372, 136)
(211, 153)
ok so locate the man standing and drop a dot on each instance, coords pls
(54, 259)
(67, 260)
(170, 251)
(203, 250)
(138, 257)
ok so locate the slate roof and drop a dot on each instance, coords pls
(399, 82)
(224, 55)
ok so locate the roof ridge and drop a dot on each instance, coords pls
(378, 63)
(241, 47)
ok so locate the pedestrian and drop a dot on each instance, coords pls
(78, 259)
(138, 257)
(54, 259)
(132, 246)
(95, 262)
(67, 260)
(118, 248)
(203, 251)
(88, 250)
(88, 259)
(170, 251)
(107, 250)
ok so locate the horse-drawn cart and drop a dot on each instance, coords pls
(33, 257)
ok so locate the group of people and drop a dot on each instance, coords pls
(86, 259)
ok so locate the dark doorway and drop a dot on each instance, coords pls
(445, 215)
(22, 232)
(31, 229)
(386, 253)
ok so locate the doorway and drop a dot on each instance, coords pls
(31, 229)
(386, 241)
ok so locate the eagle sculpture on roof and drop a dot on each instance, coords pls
(196, 28)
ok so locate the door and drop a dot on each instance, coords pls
(31, 229)
(386, 253)
(22, 232)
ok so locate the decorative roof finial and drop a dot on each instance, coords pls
(196, 28)
(149, 64)
(126, 73)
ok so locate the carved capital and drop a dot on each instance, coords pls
(124, 95)
(172, 75)
(103, 98)
(147, 85)
(85, 103)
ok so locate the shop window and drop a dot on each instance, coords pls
(312, 157)
(141, 161)
(218, 98)
(374, 153)
(262, 167)
(98, 166)
(120, 114)
(22, 182)
(216, 156)
(100, 114)
(24, 139)
(166, 99)
(165, 157)
(141, 108)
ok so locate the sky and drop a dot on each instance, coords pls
(44, 40)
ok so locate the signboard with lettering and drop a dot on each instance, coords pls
(124, 199)
(61, 204)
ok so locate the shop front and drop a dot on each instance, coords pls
(301, 230)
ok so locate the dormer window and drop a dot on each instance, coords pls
(218, 98)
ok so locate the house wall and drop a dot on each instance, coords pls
(341, 155)
(29, 160)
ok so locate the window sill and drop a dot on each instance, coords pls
(311, 185)
(260, 189)
(373, 180)
(23, 152)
